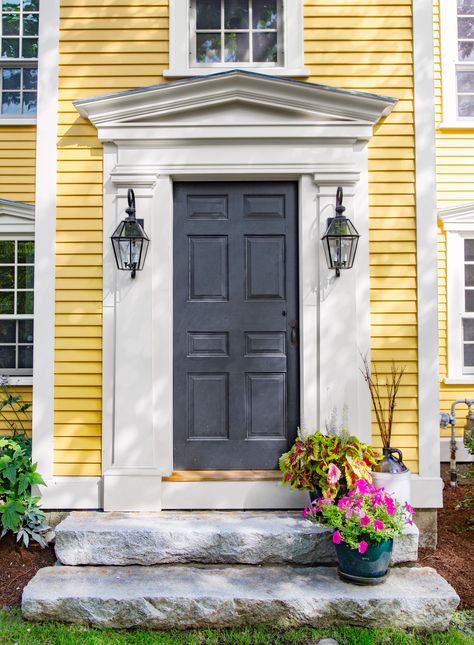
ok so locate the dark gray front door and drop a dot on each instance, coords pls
(236, 393)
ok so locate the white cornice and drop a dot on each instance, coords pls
(296, 98)
(456, 218)
(17, 209)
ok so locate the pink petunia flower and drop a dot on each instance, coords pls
(334, 474)
(304, 513)
(365, 520)
(336, 537)
(344, 503)
(378, 525)
(363, 546)
(409, 508)
(362, 486)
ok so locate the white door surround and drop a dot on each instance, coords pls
(230, 126)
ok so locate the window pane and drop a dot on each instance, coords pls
(469, 250)
(466, 27)
(465, 81)
(25, 277)
(465, 50)
(11, 24)
(466, 105)
(468, 355)
(265, 47)
(25, 356)
(11, 5)
(468, 327)
(24, 302)
(11, 103)
(25, 331)
(11, 78)
(29, 48)
(29, 103)
(30, 24)
(264, 14)
(7, 252)
(11, 47)
(469, 274)
(208, 14)
(6, 302)
(7, 331)
(7, 277)
(236, 14)
(7, 357)
(465, 6)
(30, 78)
(31, 5)
(208, 48)
(26, 252)
(236, 48)
(469, 300)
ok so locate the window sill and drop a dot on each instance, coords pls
(299, 72)
(17, 120)
(456, 125)
(459, 380)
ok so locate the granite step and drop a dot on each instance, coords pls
(248, 537)
(195, 596)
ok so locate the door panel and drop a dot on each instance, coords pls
(236, 390)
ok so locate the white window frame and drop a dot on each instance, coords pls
(17, 222)
(458, 223)
(450, 65)
(180, 23)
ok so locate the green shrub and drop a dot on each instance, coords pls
(19, 510)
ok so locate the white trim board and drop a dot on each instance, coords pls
(426, 240)
(45, 237)
(462, 455)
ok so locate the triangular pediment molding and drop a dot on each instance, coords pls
(16, 216)
(236, 94)
(457, 218)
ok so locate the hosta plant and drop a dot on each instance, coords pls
(19, 510)
(331, 463)
(366, 514)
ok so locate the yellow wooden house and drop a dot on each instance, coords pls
(234, 124)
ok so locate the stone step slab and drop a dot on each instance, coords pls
(202, 537)
(196, 596)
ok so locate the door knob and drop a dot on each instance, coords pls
(294, 333)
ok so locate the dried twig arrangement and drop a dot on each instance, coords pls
(384, 396)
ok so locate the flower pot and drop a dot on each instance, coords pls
(369, 568)
(392, 474)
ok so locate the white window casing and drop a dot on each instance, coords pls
(458, 223)
(290, 57)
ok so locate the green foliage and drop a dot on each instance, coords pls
(15, 414)
(366, 514)
(13, 629)
(331, 463)
(19, 510)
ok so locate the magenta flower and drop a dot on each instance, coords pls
(334, 475)
(344, 503)
(378, 525)
(336, 537)
(409, 508)
(363, 546)
(304, 513)
(365, 520)
(362, 486)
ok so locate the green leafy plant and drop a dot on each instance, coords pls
(366, 514)
(332, 463)
(19, 510)
(16, 416)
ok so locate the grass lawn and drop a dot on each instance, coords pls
(15, 631)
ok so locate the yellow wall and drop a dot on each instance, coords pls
(17, 162)
(109, 45)
(455, 186)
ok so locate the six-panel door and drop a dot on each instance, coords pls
(236, 393)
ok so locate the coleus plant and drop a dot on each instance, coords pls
(330, 463)
(366, 514)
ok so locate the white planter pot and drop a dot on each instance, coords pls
(398, 485)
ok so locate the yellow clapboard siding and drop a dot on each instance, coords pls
(26, 393)
(109, 45)
(18, 142)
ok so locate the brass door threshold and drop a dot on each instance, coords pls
(223, 476)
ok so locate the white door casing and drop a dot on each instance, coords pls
(229, 126)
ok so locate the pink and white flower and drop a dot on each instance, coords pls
(334, 474)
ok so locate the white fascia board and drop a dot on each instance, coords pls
(458, 218)
(262, 89)
(18, 210)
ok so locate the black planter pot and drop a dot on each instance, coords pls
(389, 463)
(369, 568)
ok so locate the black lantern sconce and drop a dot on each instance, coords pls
(340, 239)
(129, 241)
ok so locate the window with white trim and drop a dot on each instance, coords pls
(17, 256)
(265, 35)
(19, 28)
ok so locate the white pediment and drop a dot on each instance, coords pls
(16, 217)
(458, 218)
(232, 97)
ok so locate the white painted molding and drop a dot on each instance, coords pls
(426, 240)
(169, 100)
(458, 218)
(17, 121)
(462, 455)
(81, 493)
(426, 492)
(462, 380)
(45, 237)
(17, 209)
(180, 44)
(16, 218)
